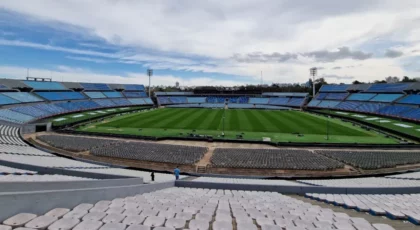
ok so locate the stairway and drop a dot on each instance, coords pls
(201, 169)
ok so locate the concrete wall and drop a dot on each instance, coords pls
(298, 189)
(60, 185)
(40, 202)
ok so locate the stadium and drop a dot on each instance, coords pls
(85, 151)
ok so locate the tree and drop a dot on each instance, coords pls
(407, 79)
(356, 82)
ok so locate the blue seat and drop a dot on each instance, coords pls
(45, 85)
(134, 87)
(4, 100)
(296, 101)
(196, 99)
(388, 88)
(113, 94)
(394, 110)
(105, 103)
(386, 97)
(321, 96)
(314, 103)
(22, 96)
(334, 88)
(328, 104)
(95, 86)
(164, 100)
(278, 100)
(412, 114)
(135, 94)
(121, 101)
(361, 96)
(95, 95)
(410, 99)
(51, 108)
(370, 107)
(178, 100)
(336, 96)
(61, 96)
(257, 100)
(137, 101)
(31, 111)
(148, 101)
(15, 117)
(348, 105)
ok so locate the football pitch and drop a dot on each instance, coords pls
(279, 126)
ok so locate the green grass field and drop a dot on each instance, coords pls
(280, 126)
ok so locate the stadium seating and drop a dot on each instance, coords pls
(321, 96)
(113, 94)
(410, 99)
(95, 95)
(148, 101)
(178, 100)
(336, 96)
(369, 107)
(31, 111)
(395, 207)
(314, 103)
(135, 94)
(95, 86)
(75, 143)
(394, 110)
(248, 181)
(3, 87)
(412, 114)
(363, 182)
(40, 178)
(272, 159)
(279, 101)
(361, 96)
(78, 105)
(176, 154)
(22, 97)
(271, 107)
(296, 101)
(256, 100)
(198, 209)
(14, 117)
(388, 88)
(61, 96)
(334, 88)
(4, 100)
(121, 102)
(105, 103)
(386, 97)
(240, 106)
(45, 85)
(134, 87)
(374, 159)
(137, 101)
(348, 105)
(164, 100)
(328, 104)
(196, 99)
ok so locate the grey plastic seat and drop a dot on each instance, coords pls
(183, 215)
(244, 226)
(270, 227)
(64, 224)
(113, 218)
(222, 225)
(167, 214)
(131, 212)
(76, 214)
(138, 227)
(58, 212)
(223, 218)
(94, 216)
(199, 224)
(382, 227)
(41, 222)
(19, 219)
(175, 223)
(5, 227)
(154, 221)
(113, 226)
(99, 208)
(134, 220)
(83, 206)
(261, 221)
(88, 225)
(115, 210)
(204, 216)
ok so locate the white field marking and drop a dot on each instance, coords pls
(60, 119)
(92, 113)
(404, 125)
(342, 113)
(100, 111)
(383, 121)
(78, 115)
(110, 110)
(372, 118)
(124, 108)
(357, 115)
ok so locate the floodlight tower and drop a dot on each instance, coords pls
(150, 73)
(313, 71)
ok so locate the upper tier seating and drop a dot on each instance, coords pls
(373, 159)
(272, 159)
(361, 96)
(95, 86)
(148, 101)
(45, 85)
(321, 96)
(175, 154)
(164, 100)
(388, 88)
(334, 88)
(410, 99)
(113, 94)
(105, 103)
(314, 103)
(61, 96)
(256, 100)
(336, 96)
(22, 96)
(134, 87)
(279, 101)
(121, 102)
(386, 97)
(135, 94)
(196, 99)
(4, 100)
(95, 95)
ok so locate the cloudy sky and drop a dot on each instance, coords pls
(209, 42)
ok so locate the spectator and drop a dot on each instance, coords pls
(177, 172)
(152, 175)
